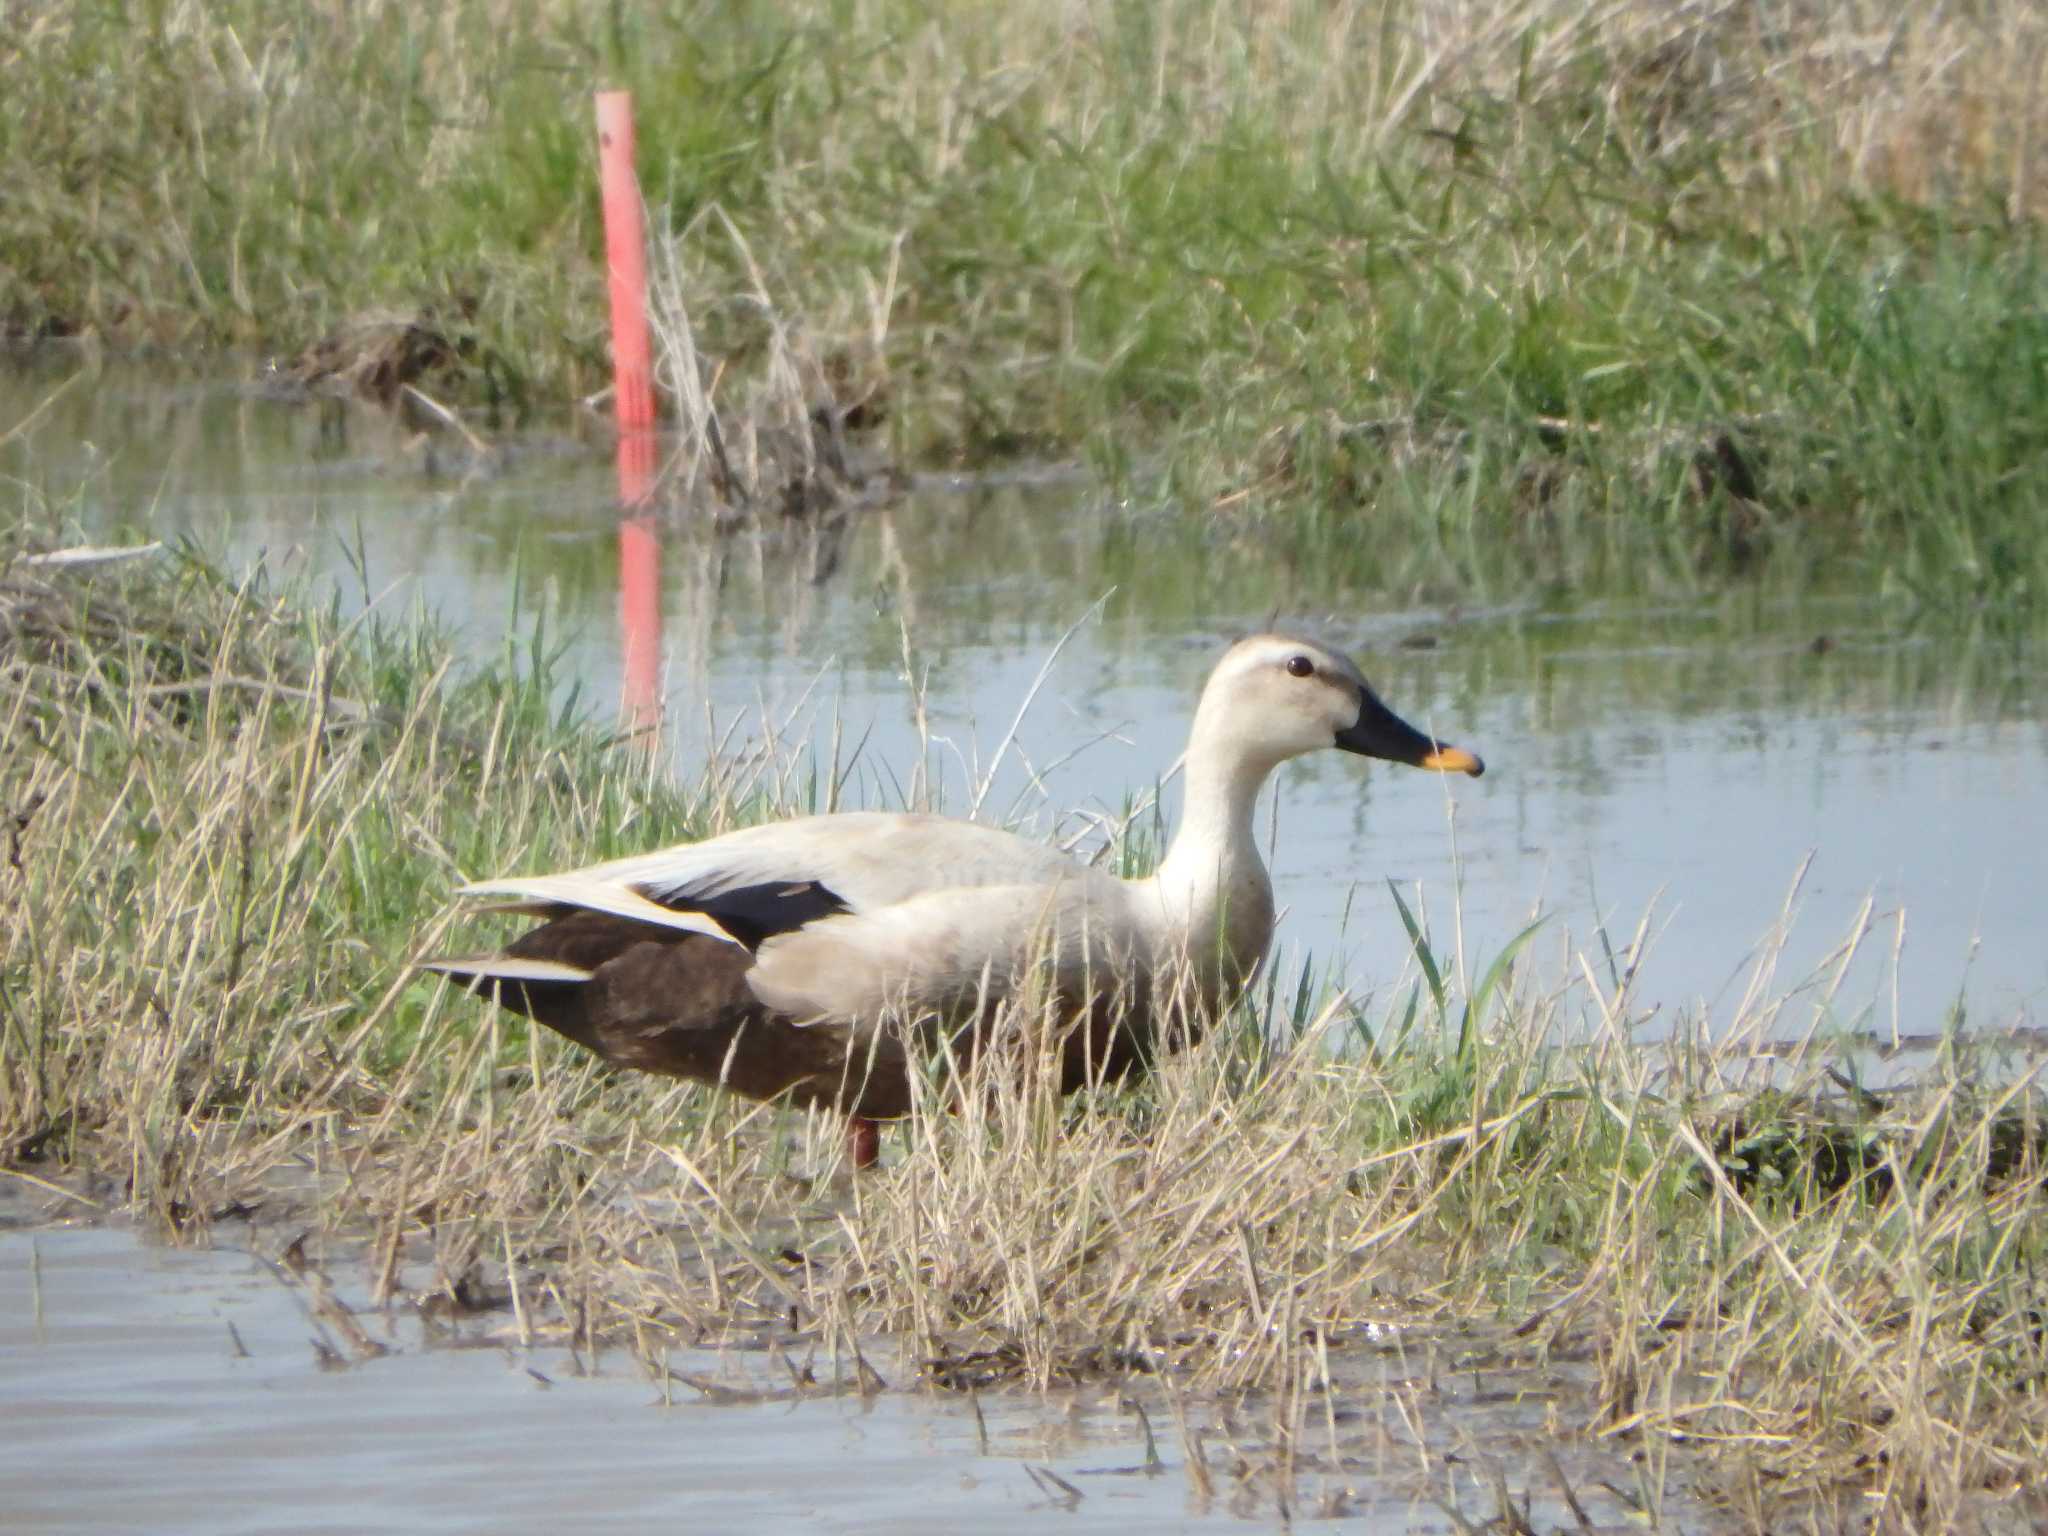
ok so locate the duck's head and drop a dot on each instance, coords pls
(1273, 697)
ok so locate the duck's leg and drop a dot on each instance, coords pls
(863, 1141)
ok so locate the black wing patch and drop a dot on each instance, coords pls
(754, 914)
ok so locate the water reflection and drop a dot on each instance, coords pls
(1649, 751)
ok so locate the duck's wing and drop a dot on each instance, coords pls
(750, 885)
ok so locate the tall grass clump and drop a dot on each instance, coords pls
(230, 812)
(1327, 1246)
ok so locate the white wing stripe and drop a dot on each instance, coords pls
(598, 896)
(507, 968)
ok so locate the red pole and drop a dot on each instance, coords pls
(625, 245)
(625, 249)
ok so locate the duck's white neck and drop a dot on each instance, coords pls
(1212, 883)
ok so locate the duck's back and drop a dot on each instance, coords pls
(867, 859)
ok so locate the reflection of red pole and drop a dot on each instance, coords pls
(625, 243)
(640, 624)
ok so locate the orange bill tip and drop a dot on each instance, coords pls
(1452, 760)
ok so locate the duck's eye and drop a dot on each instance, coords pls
(1300, 666)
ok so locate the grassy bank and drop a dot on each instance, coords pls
(233, 820)
(1735, 280)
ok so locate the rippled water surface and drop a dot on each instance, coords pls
(1655, 754)
(160, 1390)
(173, 1391)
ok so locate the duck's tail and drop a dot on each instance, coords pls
(535, 988)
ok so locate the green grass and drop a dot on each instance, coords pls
(1709, 286)
(235, 819)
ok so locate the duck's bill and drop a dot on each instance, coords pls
(1382, 733)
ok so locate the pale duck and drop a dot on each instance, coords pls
(773, 959)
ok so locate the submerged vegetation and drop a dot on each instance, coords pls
(1735, 280)
(233, 818)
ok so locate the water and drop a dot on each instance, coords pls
(1662, 754)
(174, 1390)
(127, 1404)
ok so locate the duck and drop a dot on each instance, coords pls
(818, 959)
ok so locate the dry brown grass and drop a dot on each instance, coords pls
(1920, 103)
(371, 155)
